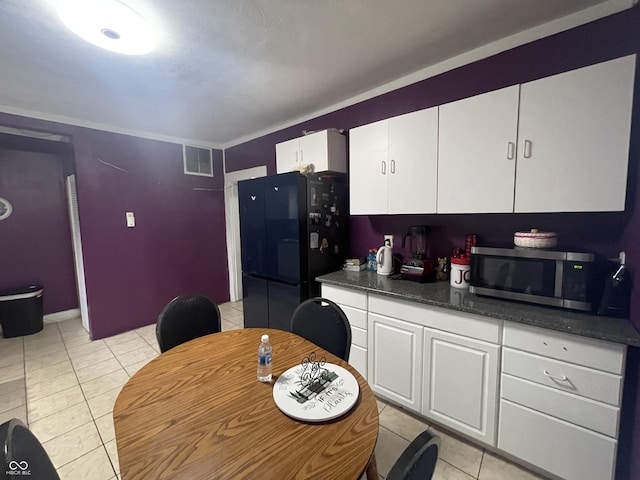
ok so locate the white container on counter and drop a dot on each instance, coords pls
(460, 272)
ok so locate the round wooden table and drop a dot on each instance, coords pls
(198, 412)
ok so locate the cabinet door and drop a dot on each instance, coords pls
(574, 139)
(460, 386)
(476, 159)
(395, 354)
(314, 149)
(287, 155)
(368, 162)
(413, 162)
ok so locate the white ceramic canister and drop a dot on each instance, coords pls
(460, 272)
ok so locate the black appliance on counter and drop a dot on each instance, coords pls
(572, 280)
(293, 228)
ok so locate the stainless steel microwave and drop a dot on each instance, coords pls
(548, 277)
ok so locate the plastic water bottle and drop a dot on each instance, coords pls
(372, 264)
(264, 360)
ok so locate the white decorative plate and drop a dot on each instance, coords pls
(340, 393)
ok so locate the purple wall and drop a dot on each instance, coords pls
(35, 241)
(178, 245)
(606, 233)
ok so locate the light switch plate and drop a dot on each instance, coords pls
(131, 219)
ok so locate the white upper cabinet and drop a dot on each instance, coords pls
(368, 155)
(325, 150)
(574, 133)
(393, 165)
(477, 153)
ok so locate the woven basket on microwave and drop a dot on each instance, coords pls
(535, 239)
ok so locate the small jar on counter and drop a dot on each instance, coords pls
(460, 271)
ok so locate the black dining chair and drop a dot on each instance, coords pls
(324, 323)
(22, 452)
(184, 318)
(418, 461)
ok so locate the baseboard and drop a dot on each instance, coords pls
(62, 316)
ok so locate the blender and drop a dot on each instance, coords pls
(418, 267)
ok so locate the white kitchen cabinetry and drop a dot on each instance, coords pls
(326, 150)
(477, 153)
(354, 305)
(460, 387)
(572, 132)
(395, 360)
(573, 146)
(393, 165)
(560, 402)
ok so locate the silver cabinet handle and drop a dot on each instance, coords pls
(393, 166)
(511, 150)
(297, 157)
(301, 156)
(527, 149)
(384, 167)
(563, 378)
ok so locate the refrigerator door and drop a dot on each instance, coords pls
(283, 300)
(255, 302)
(285, 214)
(251, 199)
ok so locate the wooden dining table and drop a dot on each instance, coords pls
(198, 412)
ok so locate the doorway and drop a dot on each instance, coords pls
(232, 221)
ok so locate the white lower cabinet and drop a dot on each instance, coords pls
(354, 306)
(550, 399)
(460, 387)
(395, 360)
(565, 449)
(560, 402)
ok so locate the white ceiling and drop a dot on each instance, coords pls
(229, 70)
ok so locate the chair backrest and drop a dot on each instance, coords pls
(324, 323)
(418, 461)
(21, 451)
(184, 318)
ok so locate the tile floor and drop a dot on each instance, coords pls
(64, 386)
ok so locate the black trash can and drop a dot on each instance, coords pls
(21, 311)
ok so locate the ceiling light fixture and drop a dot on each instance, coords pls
(108, 24)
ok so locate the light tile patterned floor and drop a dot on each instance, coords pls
(63, 385)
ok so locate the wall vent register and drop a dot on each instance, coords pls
(198, 161)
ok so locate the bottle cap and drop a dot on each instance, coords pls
(265, 338)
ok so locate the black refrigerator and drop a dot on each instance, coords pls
(293, 227)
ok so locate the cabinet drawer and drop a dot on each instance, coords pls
(357, 318)
(358, 359)
(586, 413)
(466, 324)
(345, 296)
(359, 337)
(570, 378)
(563, 449)
(571, 348)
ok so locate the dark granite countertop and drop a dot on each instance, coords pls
(440, 294)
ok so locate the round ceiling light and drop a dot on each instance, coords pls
(108, 24)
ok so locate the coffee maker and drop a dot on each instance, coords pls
(418, 267)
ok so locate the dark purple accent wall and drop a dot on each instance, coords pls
(35, 241)
(605, 233)
(178, 244)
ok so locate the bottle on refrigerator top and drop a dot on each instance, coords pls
(264, 359)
